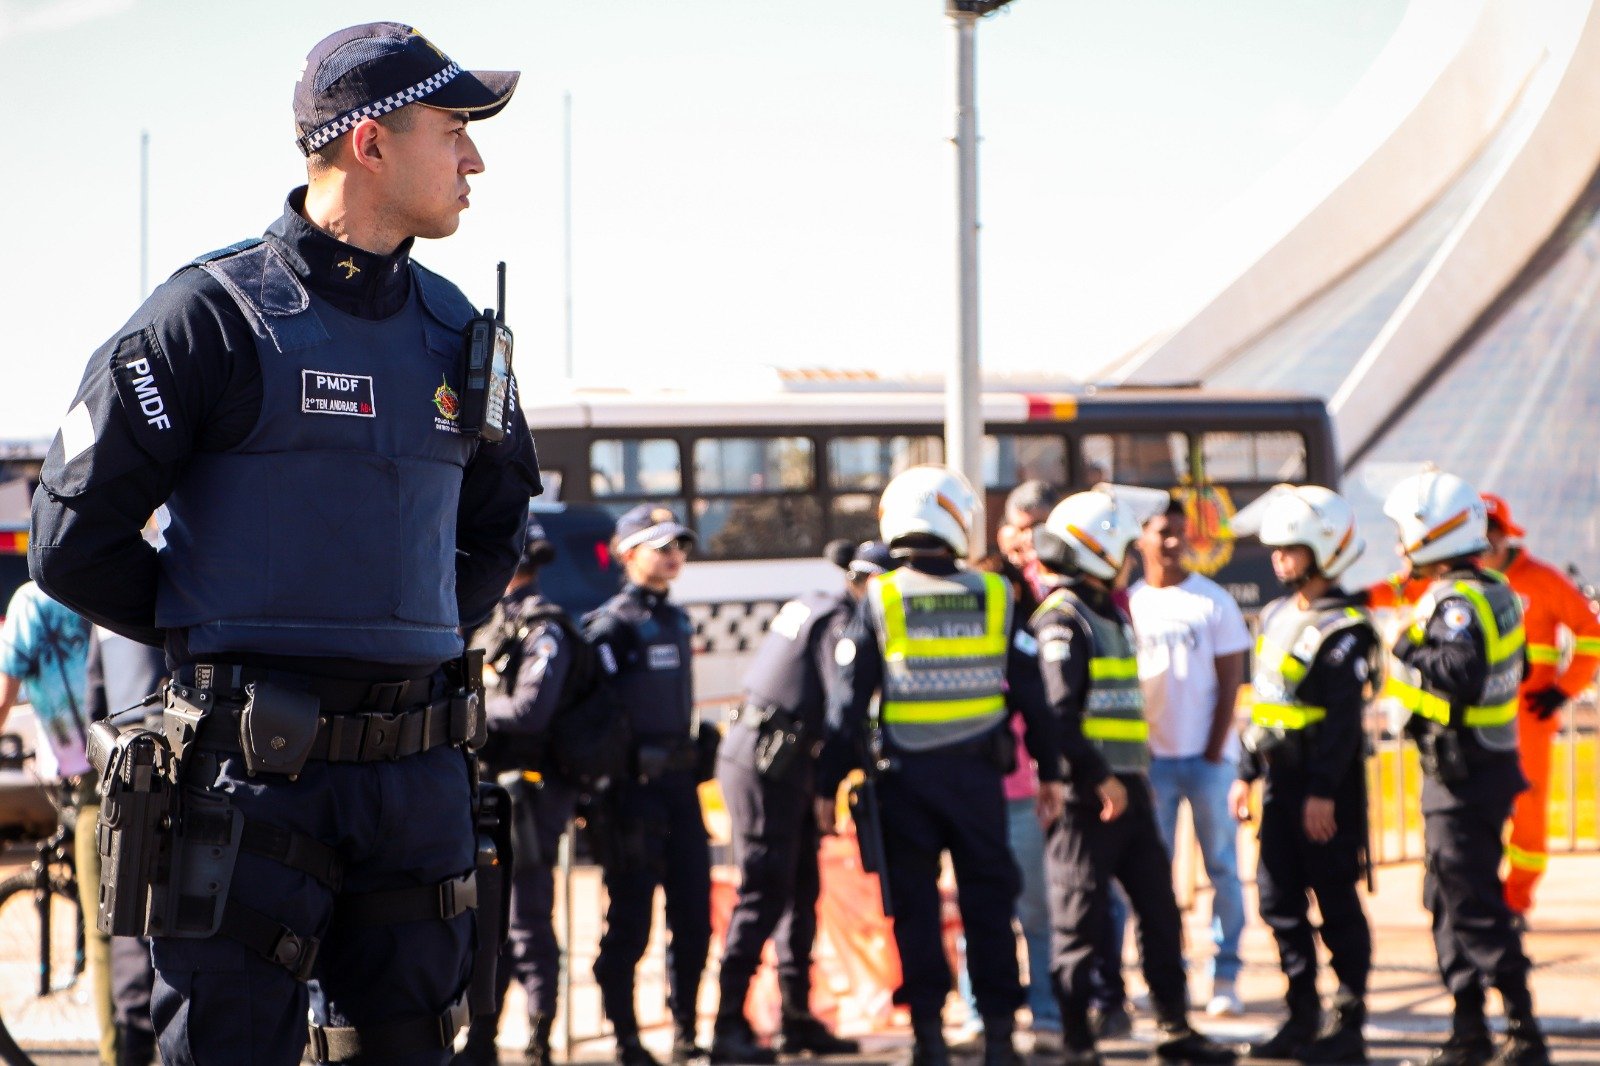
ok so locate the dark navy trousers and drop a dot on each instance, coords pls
(665, 846)
(532, 955)
(775, 845)
(396, 824)
(951, 801)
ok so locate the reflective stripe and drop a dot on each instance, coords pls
(1527, 860)
(1503, 650)
(1544, 654)
(924, 711)
(1500, 646)
(1437, 708)
(1286, 715)
(898, 644)
(1129, 729)
(1113, 669)
(1587, 646)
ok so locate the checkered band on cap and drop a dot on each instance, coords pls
(327, 132)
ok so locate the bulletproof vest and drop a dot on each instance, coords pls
(1492, 716)
(330, 529)
(1288, 644)
(784, 672)
(1113, 712)
(654, 683)
(944, 655)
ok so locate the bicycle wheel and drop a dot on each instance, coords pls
(66, 1012)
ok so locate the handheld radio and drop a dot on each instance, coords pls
(486, 397)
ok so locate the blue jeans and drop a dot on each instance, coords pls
(1205, 785)
(1033, 915)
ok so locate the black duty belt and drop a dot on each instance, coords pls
(367, 737)
(337, 695)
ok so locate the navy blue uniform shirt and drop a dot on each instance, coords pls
(204, 395)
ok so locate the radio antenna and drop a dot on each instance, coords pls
(500, 293)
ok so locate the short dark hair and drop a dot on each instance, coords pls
(1031, 497)
(323, 158)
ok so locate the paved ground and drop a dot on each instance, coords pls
(1409, 1008)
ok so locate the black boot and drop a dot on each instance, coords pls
(999, 1047)
(479, 1049)
(1469, 1043)
(733, 1041)
(1343, 1041)
(1298, 1030)
(632, 1053)
(1181, 1043)
(1524, 1045)
(928, 1047)
(537, 1052)
(801, 1032)
(684, 1045)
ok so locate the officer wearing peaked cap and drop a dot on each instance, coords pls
(292, 401)
(657, 834)
(767, 771)
(940, 644)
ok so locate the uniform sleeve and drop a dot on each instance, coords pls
(490, 519)
(1025, 693)
(1575, 612)
(547, 655)
(1064, 656)
(611, 639)
(860, 676)
(1450, 656)
(181, 376)
(824, 656)
(1337, 682)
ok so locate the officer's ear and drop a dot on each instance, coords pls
(365, 144)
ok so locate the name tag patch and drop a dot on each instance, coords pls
(664, 657)
(322, 393)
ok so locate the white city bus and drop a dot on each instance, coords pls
(768, 476)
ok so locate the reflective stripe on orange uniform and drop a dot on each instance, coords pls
(1550, 602)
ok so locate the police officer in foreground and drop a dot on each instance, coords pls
(941, 645)
(767, 771)
(654, 833)
(531, 647)
(1459, 666)
(295, 404)
(1313, 676)
(1107, 827)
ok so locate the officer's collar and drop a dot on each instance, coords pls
(648, 597)
(330, 267)
(1335, 599)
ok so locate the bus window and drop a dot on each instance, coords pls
(855, 516)
(754, 497)
(648, 468)
(752, 464)
(1009, 460)
(1254, 457)
(867, 463)
(1160, 460)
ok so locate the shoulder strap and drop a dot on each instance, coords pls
(266, 288)
(441, 298)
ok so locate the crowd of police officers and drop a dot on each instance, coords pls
(334, 435)
(909, 675)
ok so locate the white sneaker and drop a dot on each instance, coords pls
(1224, 1001)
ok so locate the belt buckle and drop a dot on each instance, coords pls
(380, 736)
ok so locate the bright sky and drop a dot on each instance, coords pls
(755, 181)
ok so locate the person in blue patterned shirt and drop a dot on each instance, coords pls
(44, 653)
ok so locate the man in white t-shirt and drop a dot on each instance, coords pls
(1192, 644)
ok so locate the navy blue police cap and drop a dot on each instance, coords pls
(370, 70)
(649, 524)
(872, 558)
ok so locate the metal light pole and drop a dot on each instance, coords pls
(144, 214)
(963, 425)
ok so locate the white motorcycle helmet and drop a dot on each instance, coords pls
(1318, 518)
(1440, 517)
(932, 500)
(1087, 531)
